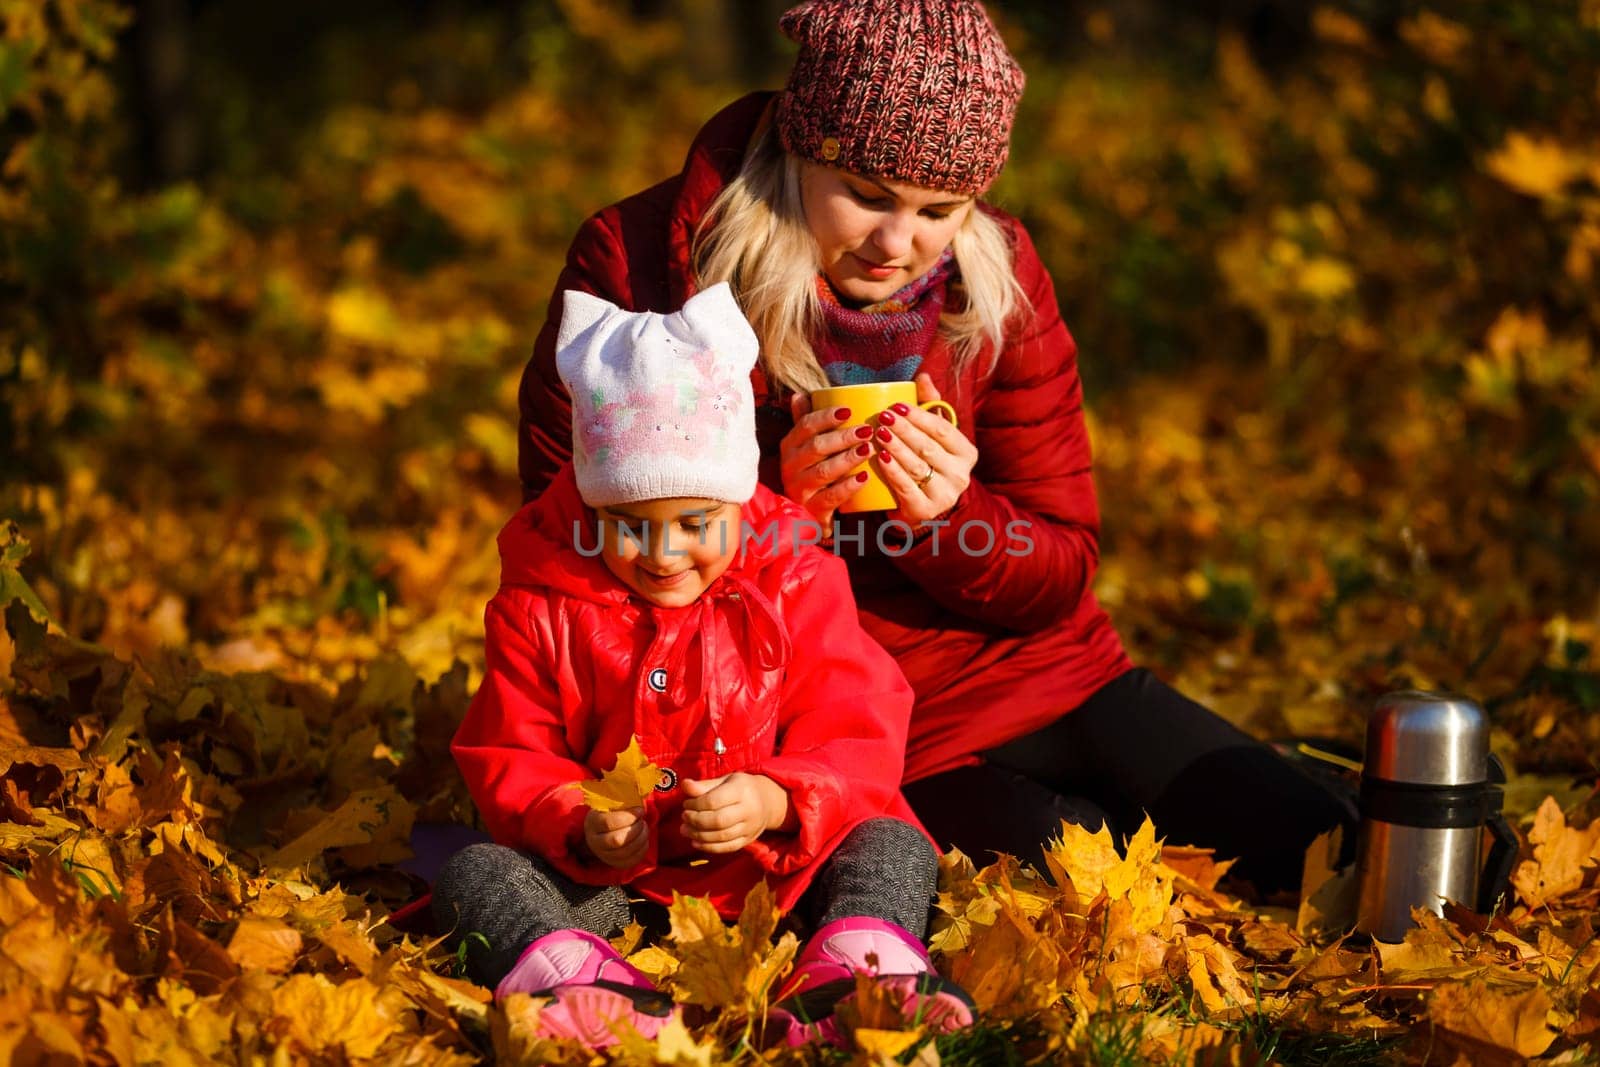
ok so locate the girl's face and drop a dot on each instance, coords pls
(669, 550)
(876, 235)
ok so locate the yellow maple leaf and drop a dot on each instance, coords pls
(1163, 1039)
(886, 1045)
(52, 1037)
(1327, 894)
(117, 1025)
(654, 961)
(118, 808)
(362, 315)
(177, 1027)
(969, 898)
(1019, 884)
(1538, 167)
(1133, 954)
(1082, 857)
(354, 1018)
(444, 999)
(731, 967)
(380, 818)
(1431, 951)
(267, 944)
(1438, 39)
(187, 837)
(674, 1046)
(1561, 854)
(1215, 976)
(34, 939)
(958, 893)
(1142, 880)
(1326, 278)
(624, 785)
(1009, 969)
(1091, 863)
(1269, 940)
(1506, 1017)
(1197, 865)
(1339, 28)
(628, 941)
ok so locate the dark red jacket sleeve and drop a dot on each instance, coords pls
(1033, 485)
(842, 725)
(596, 263)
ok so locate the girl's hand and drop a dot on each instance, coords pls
(726, 814)
(929, 462)
(821, 459)
(617, 838)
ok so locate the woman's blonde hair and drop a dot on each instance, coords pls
(754, 237)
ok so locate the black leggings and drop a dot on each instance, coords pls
(1138, 746)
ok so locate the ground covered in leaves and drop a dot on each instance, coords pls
(1339, 322)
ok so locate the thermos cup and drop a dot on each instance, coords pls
(1431, 827)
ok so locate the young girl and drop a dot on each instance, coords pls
(656, 590)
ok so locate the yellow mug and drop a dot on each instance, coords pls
(866, 401)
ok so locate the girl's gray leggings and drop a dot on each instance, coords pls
(884, 869)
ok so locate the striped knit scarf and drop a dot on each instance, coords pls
(886, 341)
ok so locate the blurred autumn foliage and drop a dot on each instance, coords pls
(1339, 315)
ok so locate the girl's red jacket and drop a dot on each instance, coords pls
(768, 672)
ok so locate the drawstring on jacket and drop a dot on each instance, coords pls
(752, 622)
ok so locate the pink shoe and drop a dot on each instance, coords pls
(824, 977)
(593, 991)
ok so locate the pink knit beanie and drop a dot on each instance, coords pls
(919, 91)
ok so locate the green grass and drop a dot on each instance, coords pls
(1116, 1039)
(1001, 1046)
(1292, 1047)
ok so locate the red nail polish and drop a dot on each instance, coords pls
(900, 409)
(864, 451)
(842, 414)
(861, 477)
(884, 457)
(884, 435)
(886, 418)
(863, 432)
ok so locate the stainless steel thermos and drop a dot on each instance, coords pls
(1431, 827)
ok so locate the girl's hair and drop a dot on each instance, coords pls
(754, 237)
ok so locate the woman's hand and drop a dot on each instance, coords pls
(925, 460)
(821, 459)
(726, 814)
(617, 838)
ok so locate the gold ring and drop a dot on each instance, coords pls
(922, 482)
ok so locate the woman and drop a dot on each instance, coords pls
(844, 213)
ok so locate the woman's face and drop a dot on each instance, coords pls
(876, 235)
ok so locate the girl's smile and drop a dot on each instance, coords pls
(670, 550)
